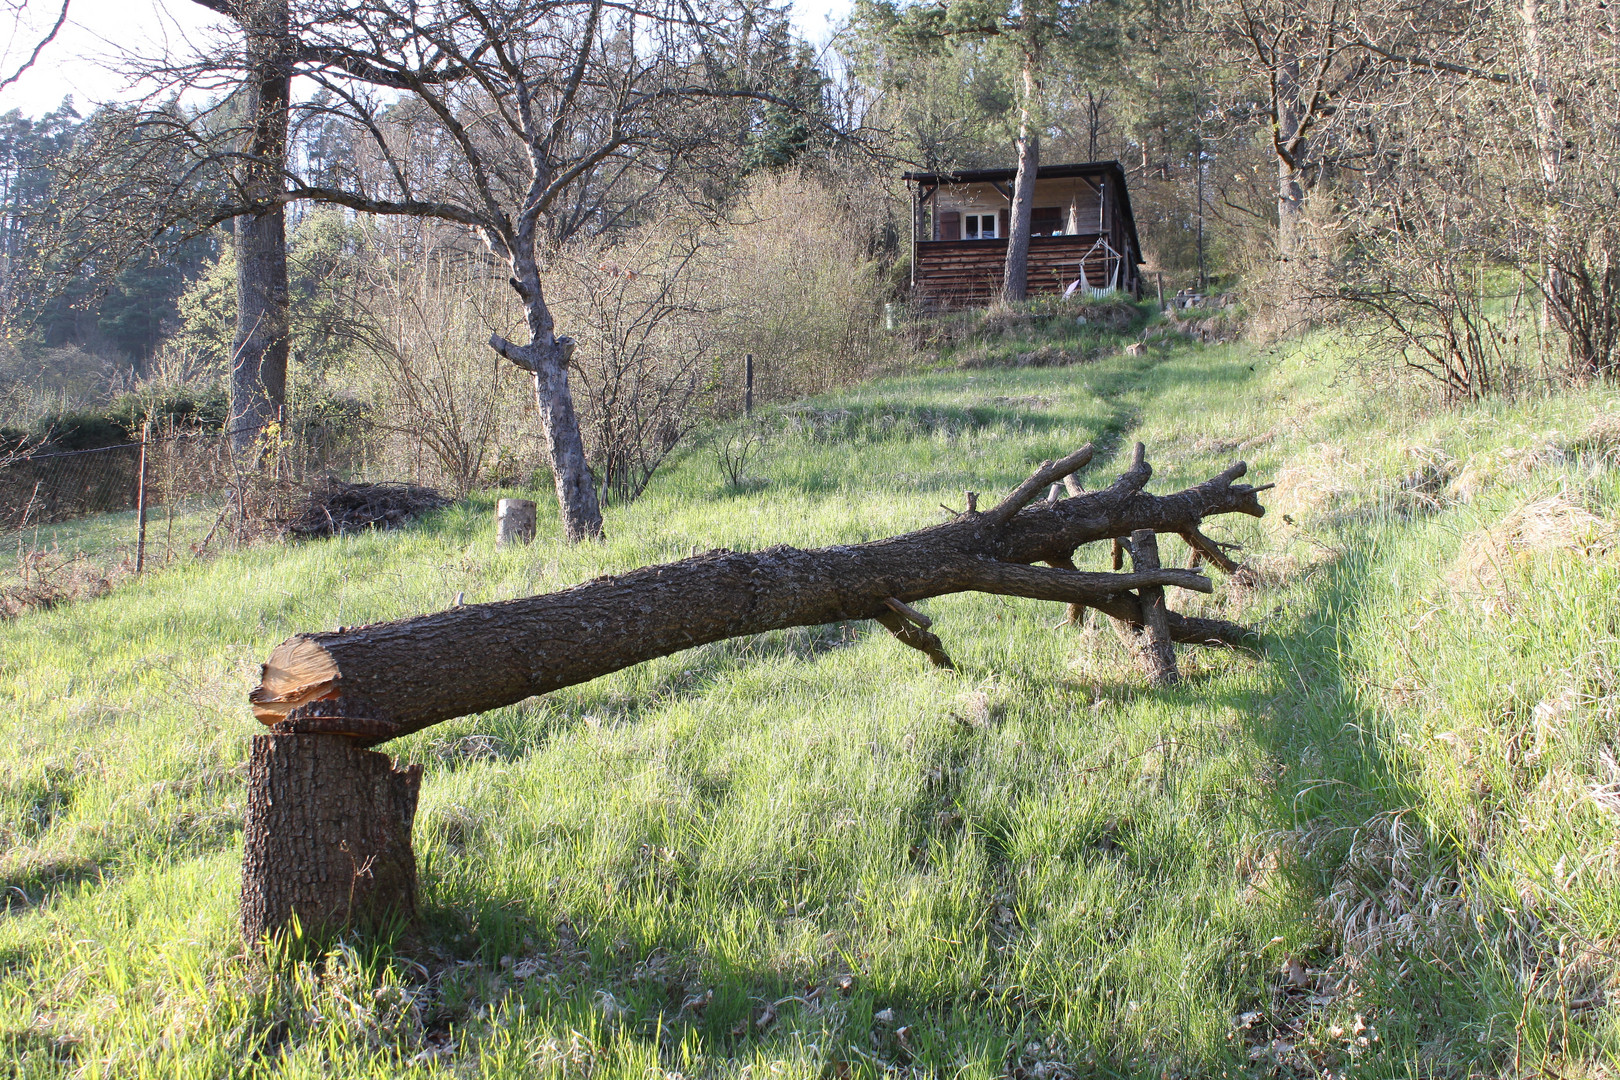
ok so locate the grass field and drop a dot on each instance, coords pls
(1388, 847)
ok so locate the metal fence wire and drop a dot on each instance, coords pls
(41, 489)
(163, 469)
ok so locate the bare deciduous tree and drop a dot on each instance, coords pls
(1304, 66)
(1481, 180)
(559, 109)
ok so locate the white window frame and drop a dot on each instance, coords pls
(973, 225)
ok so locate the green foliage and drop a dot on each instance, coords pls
(1382, 849)
(320, 266)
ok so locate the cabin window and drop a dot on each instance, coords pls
(1046, 221)
(979, 227)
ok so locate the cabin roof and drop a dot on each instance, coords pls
(1044, 172)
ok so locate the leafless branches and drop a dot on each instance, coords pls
(647, 340)
(18, 9)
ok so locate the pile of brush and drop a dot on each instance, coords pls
(337, 507)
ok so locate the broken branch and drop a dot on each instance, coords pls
(1209, 549)
(906, 611)
(1049, 473)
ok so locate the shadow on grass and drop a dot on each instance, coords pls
(35, 883)
(1333, 822)
(659, 970)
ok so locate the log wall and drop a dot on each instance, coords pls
(957, 273)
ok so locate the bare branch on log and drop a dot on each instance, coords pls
(917, 637)
(1070, 586)
(909, 613)
(1209, 549)
(1049, 473)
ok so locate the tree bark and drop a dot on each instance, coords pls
(1015, 276)
(514, 522)
(576, 494)
(1158, 651)
(415, 672)
(327, 837)
(565, 448)
(259, 350)
(546, 357)
(1292, 148)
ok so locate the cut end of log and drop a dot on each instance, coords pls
(299, 671)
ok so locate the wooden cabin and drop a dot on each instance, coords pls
(1081, 230)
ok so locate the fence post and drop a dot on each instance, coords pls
(140, 503)
(748, 384)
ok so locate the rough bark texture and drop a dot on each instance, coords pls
(546, 358)
(1015, 280)
(1292, 146)
(327, 839)
(416, 672)
(514, 521)
(1158, 651)
(576, 494)
(259, 351)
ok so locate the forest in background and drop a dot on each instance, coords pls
(1437, 179)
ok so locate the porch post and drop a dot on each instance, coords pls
(916, 220)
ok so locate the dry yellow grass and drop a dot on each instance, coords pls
(1321, 478)
(1490, 558)
(1506, 465)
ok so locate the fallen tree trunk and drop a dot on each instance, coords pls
(389, 679)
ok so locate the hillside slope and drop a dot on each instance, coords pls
(1388, 847)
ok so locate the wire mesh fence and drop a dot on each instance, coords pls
(45, 488)
(172, 477)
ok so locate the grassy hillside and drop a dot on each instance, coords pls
(1389, 847)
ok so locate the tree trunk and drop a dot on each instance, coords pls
(1015, 277)
(576, 494)
(547, 357)
(1291, 149)
(415, 672)
(514, 522)
(1290, 211)
(259, 350)
(1549, 143)
(327, 837)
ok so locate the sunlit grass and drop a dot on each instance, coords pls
(1376, 850)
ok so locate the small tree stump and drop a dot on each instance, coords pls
(327, 837)
(514, 522)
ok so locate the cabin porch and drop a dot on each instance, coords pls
(1081, 231)
(954, 273)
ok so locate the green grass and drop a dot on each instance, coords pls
(1034, 865)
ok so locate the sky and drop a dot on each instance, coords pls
(81, 60)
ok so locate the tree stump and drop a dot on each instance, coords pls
(514, 522)
(327, 837)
